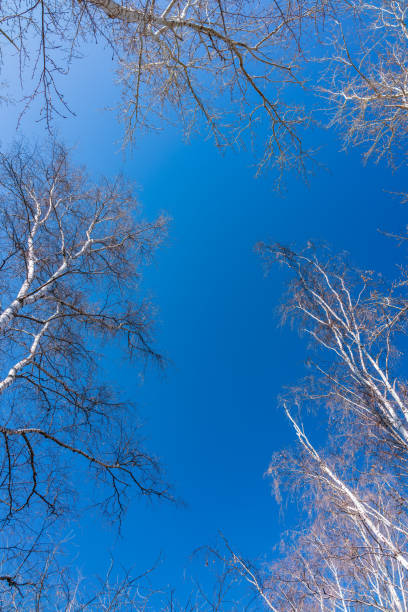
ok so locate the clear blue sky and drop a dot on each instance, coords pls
(212, 416)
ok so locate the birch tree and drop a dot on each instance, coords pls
(356, 318)
(352, 554)
(42, 583)
(249, 71)
(72, 256)
(367, 79)
(221, 62)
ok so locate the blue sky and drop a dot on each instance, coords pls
(212, 416)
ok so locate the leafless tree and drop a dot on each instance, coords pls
(42, 583)
(352, 551)
(72, 255)
(367, 77)
(241, 67)
(45, 580)
(226, 61)
(355, 318)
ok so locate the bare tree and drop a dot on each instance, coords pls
(72, 254)
(46, 580)
(242, 68)
(352, 550)
(367, 77)
(42, 583)
(353, 553)
(224, 61)
(354, 317)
